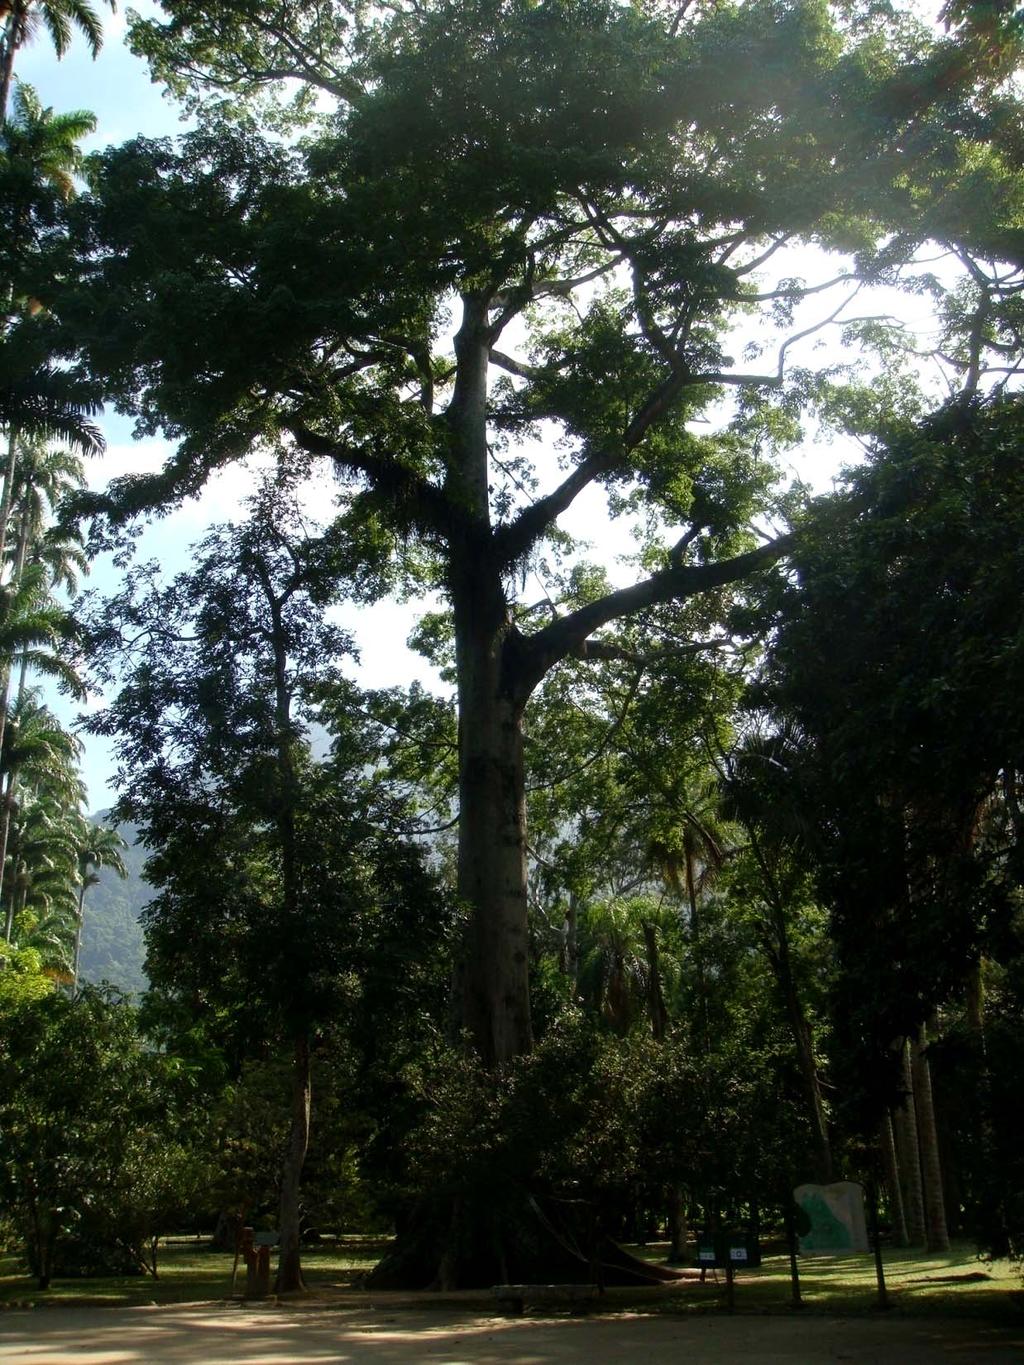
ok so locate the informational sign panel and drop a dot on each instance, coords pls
(728, 1248)
(835, 1215)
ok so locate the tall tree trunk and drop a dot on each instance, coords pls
(492, 851)
(905, 1118)
(936, 1231)
(891, 1167)
(803, 1041)
(678, 1229)
(13, 35)
(289, 1265)
(494, 985)
(776, 943)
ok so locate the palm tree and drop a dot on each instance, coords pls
(623, 962)
(32, 627)
(39, 155)
(39, 753)
(21, 20)
(41, 882)
(99, 847)
(689, 859)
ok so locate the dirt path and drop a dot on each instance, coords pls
(215, 1335)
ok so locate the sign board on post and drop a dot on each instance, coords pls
(833, 1216)
(735, 1249)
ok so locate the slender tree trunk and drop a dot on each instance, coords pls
(78, 939)
(803, 1041)
(657, 1011)
(776, 942)
(890, 1165)
(10, 474)
(905, 1117)
(568, 952)
(975, 1003)
(936, 1231)
(698, 948)
(289, 1265)
(6, 815)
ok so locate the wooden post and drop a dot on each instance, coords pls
(730, 1287)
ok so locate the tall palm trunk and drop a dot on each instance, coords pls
(890, 1165)
(7, 883)
(690, 871)
(10, 474)
(13, 37)
(775, 939)
(657, 1011)
(79, 925)
(936, 1230)
(905, 1117)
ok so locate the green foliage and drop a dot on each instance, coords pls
(89, 1166)
(595, 1117)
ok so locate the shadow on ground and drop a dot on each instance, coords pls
(273, 1336)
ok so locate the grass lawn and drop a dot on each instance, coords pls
(186, 1271)
(954, 1284)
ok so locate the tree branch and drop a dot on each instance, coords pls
(536, 654)
(422, 502)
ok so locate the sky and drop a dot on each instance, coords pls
(117, 89)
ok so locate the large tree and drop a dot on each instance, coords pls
(258, 915)
(519, 228)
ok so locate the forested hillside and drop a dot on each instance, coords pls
(112, 946)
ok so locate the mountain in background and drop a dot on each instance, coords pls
(112, 945)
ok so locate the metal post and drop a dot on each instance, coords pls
(883, 1293)
(794, 1269)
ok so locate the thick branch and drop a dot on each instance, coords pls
(521, 369)
(421, 502)
(536, 654)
